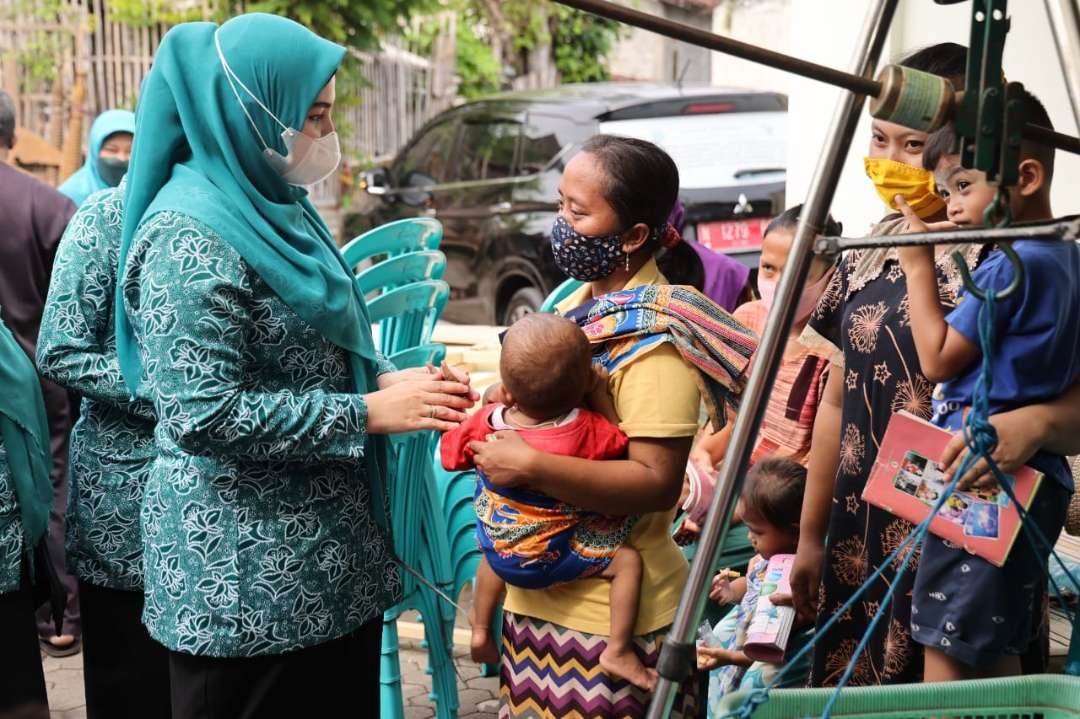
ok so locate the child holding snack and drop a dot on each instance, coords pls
(531, 540)
(770, 506)
(972, 617)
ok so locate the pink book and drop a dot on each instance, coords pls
(907, 481)
(770, 626)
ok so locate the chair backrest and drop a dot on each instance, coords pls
(413, 234)
(430, 353)
(559, 294)
(404, 269)
(413, 310)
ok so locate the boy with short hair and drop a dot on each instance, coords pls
(972, 617)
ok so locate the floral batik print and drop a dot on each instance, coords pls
(11, 534)
(865, 312)
(258, 526)
(112, 444)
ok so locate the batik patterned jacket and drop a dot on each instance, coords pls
(258, 524)
(112, 444)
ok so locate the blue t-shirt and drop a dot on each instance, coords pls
(1038, 338)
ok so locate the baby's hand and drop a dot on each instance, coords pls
(709, 658)
(600, 379)
(722, 590)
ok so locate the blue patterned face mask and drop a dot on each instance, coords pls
(586, 258)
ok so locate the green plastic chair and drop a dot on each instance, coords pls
(394, 238)
(394, 272)
(1047, 696)
(428, 354)
(413, 309)
(559, 294)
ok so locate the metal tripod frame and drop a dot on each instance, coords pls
(678, 657)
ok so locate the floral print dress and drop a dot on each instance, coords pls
(258, 525)
(865, 312)
(112, 444)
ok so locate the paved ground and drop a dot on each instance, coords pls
(476, 694)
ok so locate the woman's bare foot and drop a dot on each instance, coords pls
(624, 664)
(482, 647)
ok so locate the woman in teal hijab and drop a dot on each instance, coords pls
(25, 498)
(107, 161)
(267, 557)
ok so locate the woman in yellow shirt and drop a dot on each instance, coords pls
(614, 200)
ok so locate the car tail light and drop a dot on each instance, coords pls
(708, 108)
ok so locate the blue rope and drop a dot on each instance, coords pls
(981, 439)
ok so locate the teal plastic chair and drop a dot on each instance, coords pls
(394, 272)
(559, 294)
(428, 354)
(414, 234)
(412, 311)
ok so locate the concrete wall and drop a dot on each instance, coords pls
(761, 22)
(646, 56)
(829, 37)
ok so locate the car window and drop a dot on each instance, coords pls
(540, 142)
(715, 149)
(425, 162)
(486, 149)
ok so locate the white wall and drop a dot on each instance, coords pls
(764, 22)
(828, 38)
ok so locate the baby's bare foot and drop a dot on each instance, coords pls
(625, 664)
(482, 647)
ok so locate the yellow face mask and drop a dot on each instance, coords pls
(914, 184)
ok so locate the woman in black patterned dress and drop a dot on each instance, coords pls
(865, 313)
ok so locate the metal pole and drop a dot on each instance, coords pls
(1068, 229)
(702, 38)
(678, 654)
(849, 81)
(1065, 23)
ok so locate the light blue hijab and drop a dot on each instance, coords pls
(87, 180)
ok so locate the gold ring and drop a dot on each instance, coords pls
(432, 411)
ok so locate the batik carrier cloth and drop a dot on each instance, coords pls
(629, 323)
(529, 539)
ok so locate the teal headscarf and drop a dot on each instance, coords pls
(24, 429)
(196, 153)
(87, 180)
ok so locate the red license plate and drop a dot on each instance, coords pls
(733, 235)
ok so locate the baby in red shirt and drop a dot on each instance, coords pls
(532, 540)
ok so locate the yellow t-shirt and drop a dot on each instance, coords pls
(656, 396)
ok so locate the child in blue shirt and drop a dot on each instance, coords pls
(973, 618)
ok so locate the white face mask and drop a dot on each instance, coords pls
(308, 160)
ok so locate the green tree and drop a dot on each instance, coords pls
(498, 40)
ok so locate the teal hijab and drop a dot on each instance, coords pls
(24, 430)
(87, 180)
(196, 153)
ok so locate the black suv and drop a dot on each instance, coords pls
(489, 171)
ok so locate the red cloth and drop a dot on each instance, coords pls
(588, 436)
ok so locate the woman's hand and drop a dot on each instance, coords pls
(1019, 438)
(505, 458)
(410, 404)
(687, 533)
(429, 372)
(806, 580)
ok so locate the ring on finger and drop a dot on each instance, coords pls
(432, 411)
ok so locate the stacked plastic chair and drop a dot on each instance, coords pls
(400, 274)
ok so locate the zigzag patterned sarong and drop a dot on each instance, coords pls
(551, 672)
